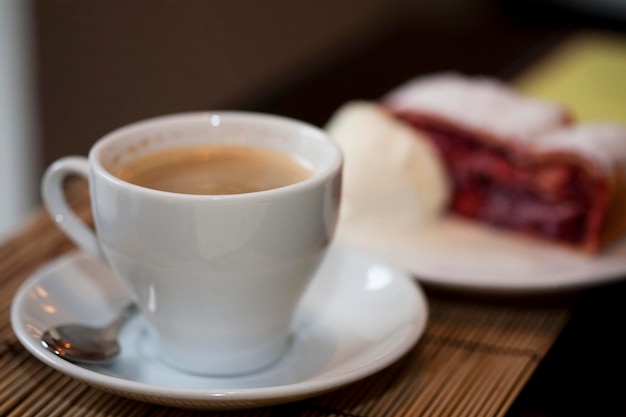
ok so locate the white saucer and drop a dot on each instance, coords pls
(358, 316)
(465, 255)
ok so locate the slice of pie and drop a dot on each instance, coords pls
(521, 163)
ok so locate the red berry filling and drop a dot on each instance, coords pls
(554, 199)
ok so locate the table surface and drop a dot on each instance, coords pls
(481, 355)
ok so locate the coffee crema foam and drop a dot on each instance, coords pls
(214, 170)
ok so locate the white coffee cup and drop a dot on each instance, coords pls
(218, 277)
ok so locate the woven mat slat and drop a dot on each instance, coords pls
(47, 396)
(474, 358)
(23, 389)
(83, 406)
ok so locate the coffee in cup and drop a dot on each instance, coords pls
(214, 170)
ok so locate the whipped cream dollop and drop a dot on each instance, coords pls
(393, 178)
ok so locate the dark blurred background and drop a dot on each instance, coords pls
(102, 64)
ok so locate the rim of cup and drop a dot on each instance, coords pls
(315, 179)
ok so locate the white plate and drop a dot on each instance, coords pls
(464, 255)
(358, 316)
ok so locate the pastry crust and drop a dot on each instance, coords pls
(615, 222)
(600, 149)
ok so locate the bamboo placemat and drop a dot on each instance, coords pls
(474, 358)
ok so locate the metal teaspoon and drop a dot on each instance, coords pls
(82, 343)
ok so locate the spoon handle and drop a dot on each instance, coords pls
(126, 314)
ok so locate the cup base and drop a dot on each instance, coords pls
(230, 364)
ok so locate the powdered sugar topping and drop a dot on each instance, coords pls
(603, 143)
(477, 104)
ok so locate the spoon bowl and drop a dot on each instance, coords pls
(86, 344)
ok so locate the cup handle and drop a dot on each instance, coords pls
(56, 204)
